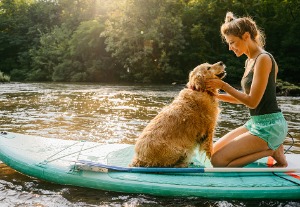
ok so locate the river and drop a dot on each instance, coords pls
(105, 114)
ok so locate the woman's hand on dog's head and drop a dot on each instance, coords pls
(211, 84)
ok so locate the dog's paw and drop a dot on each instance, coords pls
(181, 165)
(134, 163)
(138, 163)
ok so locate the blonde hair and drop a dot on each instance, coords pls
(238, 27)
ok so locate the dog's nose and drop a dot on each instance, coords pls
(221, 63)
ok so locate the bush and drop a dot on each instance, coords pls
(4, 78)
(287, 89)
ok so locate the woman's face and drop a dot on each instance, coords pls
(236, 44)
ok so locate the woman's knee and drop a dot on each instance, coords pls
(217, 160)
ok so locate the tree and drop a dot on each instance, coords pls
(13, 30)
(53, 50)
(136, 40)
(22, 23)
(202, 20)
(87, 49)
(145, 36)
(75, 11)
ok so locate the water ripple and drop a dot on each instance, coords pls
(107, 114)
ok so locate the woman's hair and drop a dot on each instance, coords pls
(238, 27)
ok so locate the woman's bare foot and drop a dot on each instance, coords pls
(280, 158)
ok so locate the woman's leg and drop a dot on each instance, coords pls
(240, 151)
(280, 158)
(278, 155)
(228, 138)
(244, 149)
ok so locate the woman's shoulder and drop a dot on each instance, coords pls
(267, 55)
(265, 58)
(264, 63)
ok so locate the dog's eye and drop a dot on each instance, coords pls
(208, 68)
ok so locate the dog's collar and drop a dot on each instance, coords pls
(194, 89)
(203, 90)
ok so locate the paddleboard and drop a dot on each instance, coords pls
(105, 167)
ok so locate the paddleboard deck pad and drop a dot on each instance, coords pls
(105, 167)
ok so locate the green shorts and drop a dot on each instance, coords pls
(270, 127)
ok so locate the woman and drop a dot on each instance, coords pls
(266, 130)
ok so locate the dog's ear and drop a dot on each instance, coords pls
(191, 84)
(196, 81)
(200, 82)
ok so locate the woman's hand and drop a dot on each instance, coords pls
(219, 84)
(214, 84)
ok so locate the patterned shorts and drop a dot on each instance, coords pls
(270, 127)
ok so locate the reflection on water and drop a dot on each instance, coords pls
(103, 113)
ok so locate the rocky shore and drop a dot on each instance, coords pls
(287, 89)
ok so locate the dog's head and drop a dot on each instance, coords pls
(205, 71)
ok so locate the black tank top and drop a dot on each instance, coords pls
(268, 103)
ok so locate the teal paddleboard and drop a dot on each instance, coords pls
(105, 167)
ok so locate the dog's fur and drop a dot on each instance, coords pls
(170, 139)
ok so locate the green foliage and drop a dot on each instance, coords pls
(13, 26)
(286, 88)
(143, 36)
(87, 47)
(52, 52)
(4, 78)
(136, 40)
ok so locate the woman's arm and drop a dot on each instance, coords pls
(260, 79)
(228, 98)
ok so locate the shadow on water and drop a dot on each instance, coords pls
(105, 114)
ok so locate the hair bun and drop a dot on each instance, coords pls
(229, 17)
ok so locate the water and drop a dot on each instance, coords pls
(105, 114)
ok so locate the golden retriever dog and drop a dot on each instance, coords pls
(170, 139)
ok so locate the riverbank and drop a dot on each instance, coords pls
(4, 78)
(287, 89)
(283, 88)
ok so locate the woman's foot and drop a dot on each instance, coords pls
(280, 158)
